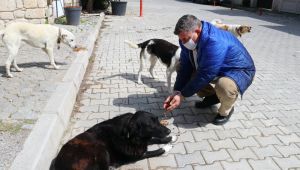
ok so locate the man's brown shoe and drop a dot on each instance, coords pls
(208, 101)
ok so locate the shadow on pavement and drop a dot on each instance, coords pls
(44, 65)
(185, 116)
(148, 81)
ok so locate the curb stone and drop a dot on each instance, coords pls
(41, 145)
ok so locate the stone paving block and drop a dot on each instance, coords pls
(271, 122)
(187, 127)
(103, 108)
(261, 108)
(222, 144)
(84, 123)
(246, 142)
(187, 167)
(286, 163)
(76, 131)
(96, 91)
(85, 102)
(256, 115)
(178, 148)
(139, 165)
(268, 140)
(258, 101)
(162, 161)
(248, 132)
(211, 157)
(238, 116)
(118, 90)
(288, 121)
(108, 96)
(252, 123)
(195, 118)
(82, 116)
(291, 106)
(288, 150)
(245, 153)
(267, 164)
(233, 124)
(197, 146)
(214, 166)
(271, 130)
(287, 139)
(176, 119)
(289, 129)
(138, 100)
(199, 136)
(274, 114)
(240, 109)
(193, 158)
(94, 108)
(268, 151)
(183, 111)
(99, 102)
(291, 113)
(228, 133)
(210, 126)
(185, 137)
(102, 115)
(243, 164)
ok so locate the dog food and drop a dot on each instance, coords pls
(164, 122)
(79, 49)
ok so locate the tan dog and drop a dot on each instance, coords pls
(237, 30)
(42, 36)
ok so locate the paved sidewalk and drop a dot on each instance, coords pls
(264, 131)
(23, 98)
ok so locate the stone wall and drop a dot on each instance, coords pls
(35, 11)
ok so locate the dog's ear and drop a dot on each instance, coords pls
(132, 130)
(63, 36)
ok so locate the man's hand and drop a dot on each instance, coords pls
(173, 101)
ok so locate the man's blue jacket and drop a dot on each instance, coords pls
(219, 54)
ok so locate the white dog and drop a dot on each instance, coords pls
(237, 30)
(158, 49)
(42, 36)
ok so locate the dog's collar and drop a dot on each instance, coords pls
(237, 31)
(58, 38)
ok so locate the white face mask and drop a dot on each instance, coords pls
(191, 45)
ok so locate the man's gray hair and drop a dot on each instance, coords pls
(187, 23)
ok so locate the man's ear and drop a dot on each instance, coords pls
(198, 30)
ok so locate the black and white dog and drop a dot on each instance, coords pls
(158, 49)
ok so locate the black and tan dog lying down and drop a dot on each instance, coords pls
(114, 142)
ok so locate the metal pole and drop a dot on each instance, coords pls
(56, 9)
(141, 8)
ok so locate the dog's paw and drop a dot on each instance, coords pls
(140, 82)
(174, 139)
(167, 147)
(9, 75)
(56, 67)
(19, 69)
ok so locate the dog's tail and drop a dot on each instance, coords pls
(131, 44)
(216, 21)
